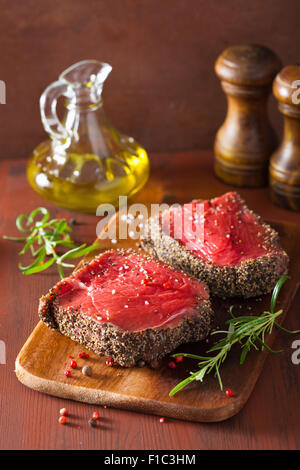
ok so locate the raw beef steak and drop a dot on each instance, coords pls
(129, 307)
(236, 254)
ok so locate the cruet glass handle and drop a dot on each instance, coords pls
(48, 103)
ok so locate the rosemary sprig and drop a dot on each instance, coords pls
(43, 237)
(248, 331)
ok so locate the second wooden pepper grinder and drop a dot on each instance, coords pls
(285, 162)
(246, 139)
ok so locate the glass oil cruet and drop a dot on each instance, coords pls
(86, 161)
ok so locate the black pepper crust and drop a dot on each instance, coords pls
(126, 348)
(249, 278)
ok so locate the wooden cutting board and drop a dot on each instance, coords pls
(41, 363)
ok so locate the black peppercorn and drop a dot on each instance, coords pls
(87, 370)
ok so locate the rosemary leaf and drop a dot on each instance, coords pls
(247, 331)
(44, 236)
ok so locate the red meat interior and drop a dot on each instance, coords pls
(231, 233)
(131, 292)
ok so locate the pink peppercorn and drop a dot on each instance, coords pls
(172, 365)
(63, 412)
(109, 362)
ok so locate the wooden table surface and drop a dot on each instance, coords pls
(28, 419)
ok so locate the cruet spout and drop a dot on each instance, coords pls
(87, 74)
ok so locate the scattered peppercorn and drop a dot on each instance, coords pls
(161, 420)
(73, 364)
(179, 358)
(96, 415)
(63, 412)
(109, 362)
(62, 420)
(229, 392)
(81, 355)
(172, 365)
(67, 373)
(86, 355)
(92, 422)
(87, 370)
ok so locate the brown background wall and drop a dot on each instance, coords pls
(163, 89)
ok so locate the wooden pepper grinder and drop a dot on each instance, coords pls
(285, 162)
(246, 139)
